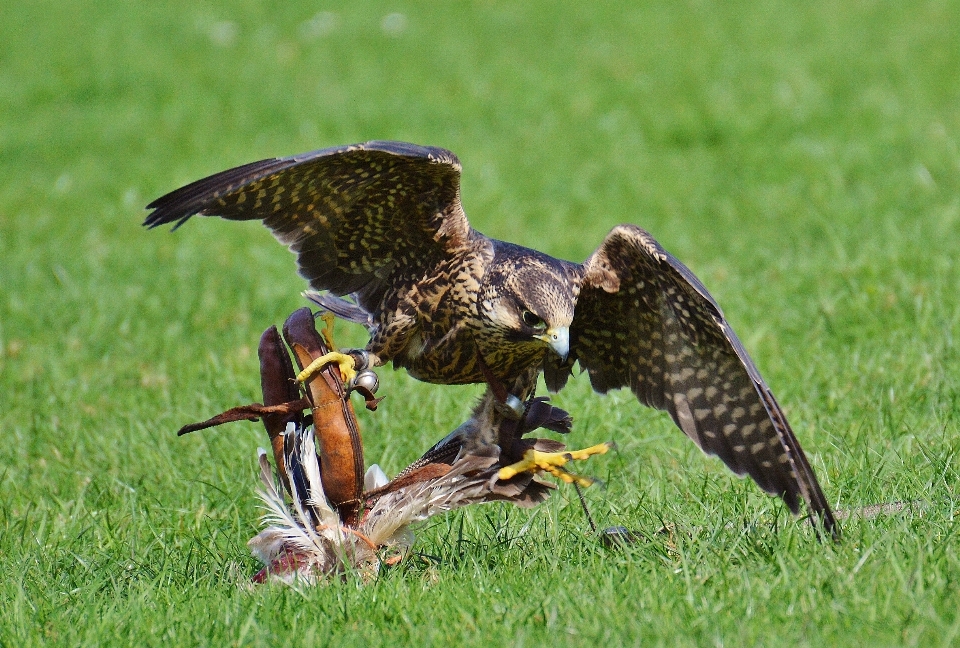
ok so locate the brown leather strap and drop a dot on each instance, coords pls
(251, 412)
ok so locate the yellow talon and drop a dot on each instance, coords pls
(553, 462)
(344, 361)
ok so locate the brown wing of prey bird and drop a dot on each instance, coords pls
(382, 223)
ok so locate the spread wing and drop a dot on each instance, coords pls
(358, 217)
(644, 321)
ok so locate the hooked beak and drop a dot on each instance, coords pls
(559, 340)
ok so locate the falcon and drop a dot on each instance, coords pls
(382, 224)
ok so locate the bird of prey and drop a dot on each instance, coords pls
(382, 223)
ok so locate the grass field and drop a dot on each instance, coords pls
(802, 159)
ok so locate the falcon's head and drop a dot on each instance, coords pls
(527, 302)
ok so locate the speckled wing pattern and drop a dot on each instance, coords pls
(360, 218)
(644, 321)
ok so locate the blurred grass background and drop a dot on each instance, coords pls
(801, 159)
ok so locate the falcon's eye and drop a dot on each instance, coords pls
(531, 320)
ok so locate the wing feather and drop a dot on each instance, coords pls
(644, 321)
(358, 217)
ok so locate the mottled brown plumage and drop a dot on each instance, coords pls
(383, 223)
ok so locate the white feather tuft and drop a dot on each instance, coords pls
(374, 478)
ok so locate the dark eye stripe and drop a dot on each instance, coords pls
(530, 319)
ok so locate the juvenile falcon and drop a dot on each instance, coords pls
(382, 223)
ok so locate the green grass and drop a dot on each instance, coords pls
(803, 159)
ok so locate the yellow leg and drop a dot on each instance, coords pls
(327, 332)
(553, 463)
(344, 361)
